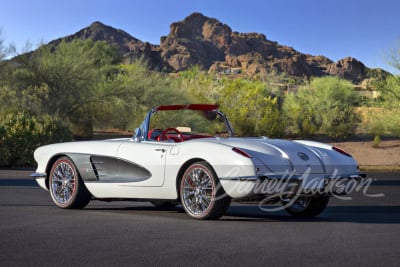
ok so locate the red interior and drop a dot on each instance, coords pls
(176, 137)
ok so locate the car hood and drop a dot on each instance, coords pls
(280, 156)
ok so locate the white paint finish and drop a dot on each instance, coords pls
(164, 160)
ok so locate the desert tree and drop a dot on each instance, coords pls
(324, 105)
(384, 117)
(3, 51)
(252, 107)
(63, 80)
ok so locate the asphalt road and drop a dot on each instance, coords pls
(364, 231)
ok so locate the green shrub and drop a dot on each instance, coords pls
(21, 134)
(382, 121)
(301, 116)
(251, 108)
(324, 106)
(377, 141)
(2, 145)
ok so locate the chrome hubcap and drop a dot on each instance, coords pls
(63, 182)
(197, 190)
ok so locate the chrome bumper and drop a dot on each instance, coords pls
(289, 187)
(40, 179)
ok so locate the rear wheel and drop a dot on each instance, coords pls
(66, 187)
(308, 207)
(202, 195)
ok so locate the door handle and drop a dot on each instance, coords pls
(162, 150)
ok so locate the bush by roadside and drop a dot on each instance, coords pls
(21, 133)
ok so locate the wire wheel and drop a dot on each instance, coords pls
(201, 194)
(66, 188)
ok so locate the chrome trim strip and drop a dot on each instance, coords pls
(248, 178)
(279, 176)
(37, 175)
(348, 176)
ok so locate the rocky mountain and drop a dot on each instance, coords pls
(204, 41)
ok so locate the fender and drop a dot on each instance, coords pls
(105, 169)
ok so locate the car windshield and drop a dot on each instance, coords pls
(190, 122)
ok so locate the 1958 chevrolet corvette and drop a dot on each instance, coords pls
(188, 155)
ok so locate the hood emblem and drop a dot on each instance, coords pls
(303, 156)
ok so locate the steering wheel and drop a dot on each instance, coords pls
(155, 134)
(165, 138)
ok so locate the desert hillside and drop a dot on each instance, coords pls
(214, 46)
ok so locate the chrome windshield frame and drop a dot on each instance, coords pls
(141, 132)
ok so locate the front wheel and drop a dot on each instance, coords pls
(202, 195)
(66, 187)
(307, 207)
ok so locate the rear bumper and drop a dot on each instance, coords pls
(345, 186)
(288, 187)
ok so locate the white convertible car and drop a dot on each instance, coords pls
(188, 155)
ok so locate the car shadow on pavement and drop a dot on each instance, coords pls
(355, 214)
(252, 213)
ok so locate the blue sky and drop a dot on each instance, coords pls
(364, 29)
